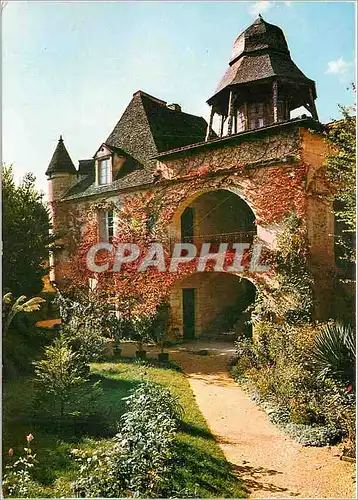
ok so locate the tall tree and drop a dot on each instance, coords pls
(26, 238)
(341, 165)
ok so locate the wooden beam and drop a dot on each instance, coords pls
(223, 119)
(275, 101)
(230, 113)
(246, 116)
(210, 124)
(313, 108)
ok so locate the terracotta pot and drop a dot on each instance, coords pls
(163, 357)
(110, 348)
(118, 351)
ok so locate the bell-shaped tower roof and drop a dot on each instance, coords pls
(257, 37)
(260, 53)
(261, 76)
(61, 161)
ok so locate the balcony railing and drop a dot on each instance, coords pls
(237, 237)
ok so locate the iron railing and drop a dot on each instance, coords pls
(237, 237)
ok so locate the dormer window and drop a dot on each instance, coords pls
(104, 171)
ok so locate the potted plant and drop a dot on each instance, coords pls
(117, 348)
(110, 348)
(141, 327)
(140, 353)
(163, 357)
(160, 330)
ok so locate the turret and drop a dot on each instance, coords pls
(262, 84)
(61, 172)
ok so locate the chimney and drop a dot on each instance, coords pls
(174, 107)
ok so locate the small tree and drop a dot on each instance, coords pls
(161, 325)
(63, 390)
(141, 330)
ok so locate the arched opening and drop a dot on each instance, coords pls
(214, 217)
(212, 305)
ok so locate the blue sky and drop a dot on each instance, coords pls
(71, 68)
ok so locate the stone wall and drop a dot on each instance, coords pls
(276, 174)
(214, 292)
(269, 147)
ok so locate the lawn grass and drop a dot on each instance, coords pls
(200, 466)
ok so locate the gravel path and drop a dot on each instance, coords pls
(269, 462)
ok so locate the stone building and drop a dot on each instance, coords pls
(260, 166)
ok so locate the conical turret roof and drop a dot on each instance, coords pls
(61, 161)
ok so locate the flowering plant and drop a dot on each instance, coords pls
(17, 480)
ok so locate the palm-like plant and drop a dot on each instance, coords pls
(11, 308)
(334, 352)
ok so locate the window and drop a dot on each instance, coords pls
(256, 116)
(257, 108)
(241, 124)
(109, 225)
(106, 225)
(104, 172)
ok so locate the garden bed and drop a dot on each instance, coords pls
(200, 467)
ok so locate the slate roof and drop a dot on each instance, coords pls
(260, 53)
(61, 161)
(217, 142)
(257, 37)
(86, 167)
(146, 128)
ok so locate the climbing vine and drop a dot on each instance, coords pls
(291, 300)
(276, 190)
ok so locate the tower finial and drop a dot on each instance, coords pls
(61, 140)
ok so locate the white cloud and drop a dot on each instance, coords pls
(262, 6)
(338, 67)
(259, 7)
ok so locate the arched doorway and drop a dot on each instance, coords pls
(211, 305)
(214, 216)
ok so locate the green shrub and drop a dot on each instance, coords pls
(313, 435)
(87, 322)
(339, 408)
(286, 378)
(138, 461)
(62, 388)
(334, 352)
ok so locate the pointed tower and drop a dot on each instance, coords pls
(262, 84)
(61, 172)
